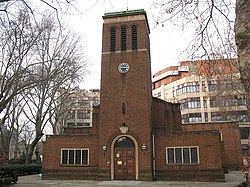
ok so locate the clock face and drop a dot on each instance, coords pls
(123, 68)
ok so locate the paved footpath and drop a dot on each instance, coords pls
(232, 179)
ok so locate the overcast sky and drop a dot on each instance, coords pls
(167, 43)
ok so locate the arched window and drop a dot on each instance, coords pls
(124, 142)
(112, 38)
(134, 37)
(123, 38)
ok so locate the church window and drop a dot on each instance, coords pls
(71, 156)
(64, 156)
(78, 157)
(75, 157)
(170, 155)
(194, 155)
(123, 38)
(182, 155)
(85, 156)
(178, 155)
(134, 37)
(112, 39)
(124, 142)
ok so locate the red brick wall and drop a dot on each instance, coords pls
(231, 138)
(52, 167)
(127, 99)
(133, 89)
(210, 156)
(166, 117)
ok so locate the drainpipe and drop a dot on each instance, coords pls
(153, 145)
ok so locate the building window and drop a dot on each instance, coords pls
(241, 116)
(83, 124)
(123, 38)
(182, 155)
(95, 101)
(190, 103)
(216, 116)
(75, 156)
(229, 100)
(84, 102)
(205, 103)
(203, 87)
(206, 117)
(191, 87)
(134, 37)
(112, 39)
(245, 148)
(212, 86)
(191, 118)
(244, 132)
(86, 114)
(71, 114)
(79, 114)
(173, 93)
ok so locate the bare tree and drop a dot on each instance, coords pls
(17, 40)
(36, 9)
(62, 107)
(61, 64)
(37, 59)
(216, 30)
(25, 139)
(10, 126)
(242, 36)
(212, 24)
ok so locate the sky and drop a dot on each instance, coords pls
(167, 43)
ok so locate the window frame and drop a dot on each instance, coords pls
(183, 161)
(75, 159)
(134, 37)
(123, 38)
(112, 39)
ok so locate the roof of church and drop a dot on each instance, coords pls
(126, 13)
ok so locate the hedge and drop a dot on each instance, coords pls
(21, 169)
(5, 181)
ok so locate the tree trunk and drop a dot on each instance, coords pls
(242, 37)
(32, 148)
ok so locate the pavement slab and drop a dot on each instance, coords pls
(232, 179)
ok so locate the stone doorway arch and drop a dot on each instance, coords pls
(126, 155)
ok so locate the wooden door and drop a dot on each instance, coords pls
(124, 163)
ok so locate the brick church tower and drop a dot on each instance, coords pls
(126, 96)
(133, 136)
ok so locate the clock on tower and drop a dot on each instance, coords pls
(123, 68)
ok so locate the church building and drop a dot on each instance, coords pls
(133, 136)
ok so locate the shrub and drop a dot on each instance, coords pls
(21, 169)
(5, 181)
(19, 161)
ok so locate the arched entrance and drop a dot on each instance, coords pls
(124, 158)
